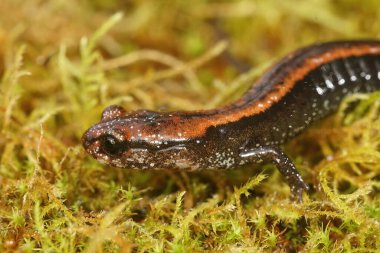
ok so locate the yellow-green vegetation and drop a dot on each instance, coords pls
(62, 62)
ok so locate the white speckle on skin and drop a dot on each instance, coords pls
(318, 60)
(274, 98)
(320, 90)
(326, 104)
(329, 84)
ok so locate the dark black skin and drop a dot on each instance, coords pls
(227, 138)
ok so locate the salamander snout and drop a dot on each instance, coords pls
(104, 145)
(103, 141)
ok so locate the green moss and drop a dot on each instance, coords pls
(62, 62)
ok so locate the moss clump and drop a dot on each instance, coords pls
(62, 62)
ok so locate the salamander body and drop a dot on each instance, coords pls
(303, 87)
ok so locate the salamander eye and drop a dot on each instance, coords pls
(111, 145)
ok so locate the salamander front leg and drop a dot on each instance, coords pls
(283, 164)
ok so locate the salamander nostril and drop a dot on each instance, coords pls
(87, 140)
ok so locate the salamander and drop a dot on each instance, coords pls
(301, 88)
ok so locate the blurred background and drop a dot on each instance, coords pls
(63, 61)
(257, 32)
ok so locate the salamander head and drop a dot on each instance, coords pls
(136, 140)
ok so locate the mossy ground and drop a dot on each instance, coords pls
(62, 62)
